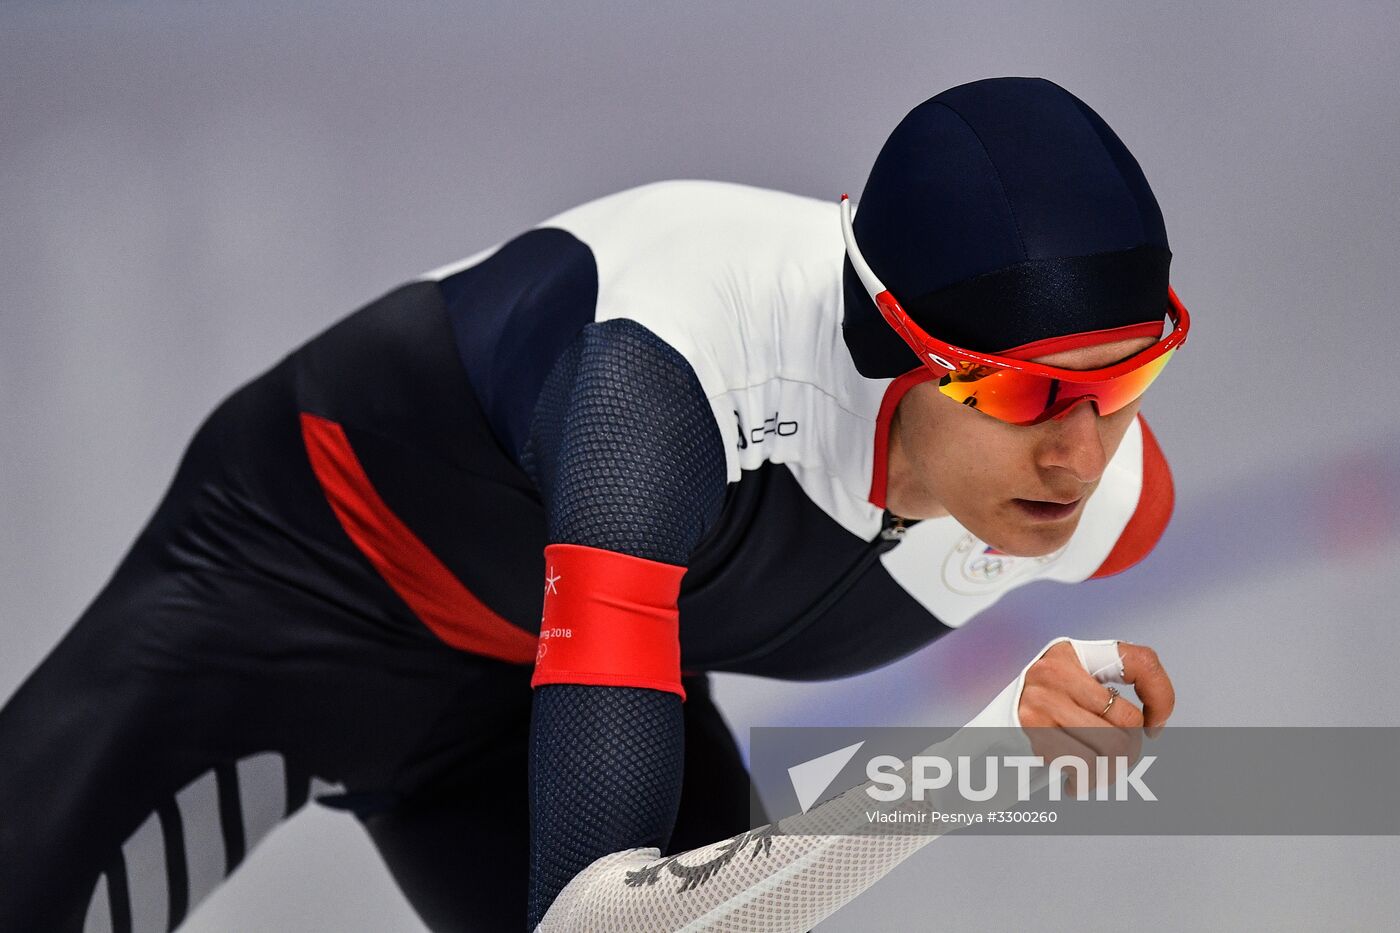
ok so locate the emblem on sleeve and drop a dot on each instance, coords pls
(974, 568)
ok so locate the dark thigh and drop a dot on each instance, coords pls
(225, 674)
(459, 848)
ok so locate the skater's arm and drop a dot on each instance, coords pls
(630, 464)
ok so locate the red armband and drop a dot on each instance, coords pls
(609, 619)
(1154, 510)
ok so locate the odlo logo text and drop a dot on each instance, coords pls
(771, 426)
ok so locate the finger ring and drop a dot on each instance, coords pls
(1112, 696)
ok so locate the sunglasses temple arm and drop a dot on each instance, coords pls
(867, 275)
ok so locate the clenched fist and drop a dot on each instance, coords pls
(1067, 710)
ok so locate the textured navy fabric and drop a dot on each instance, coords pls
(626, 454)
(1005, 177)
(606, 765)
(624, 447)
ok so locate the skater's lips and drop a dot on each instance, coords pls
(1047, 510)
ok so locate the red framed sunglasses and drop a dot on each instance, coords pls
(1011, 390)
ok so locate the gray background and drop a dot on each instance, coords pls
(187, 190)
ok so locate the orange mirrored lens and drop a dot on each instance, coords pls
(1122, 391)
(1005, 394)
(1028, 398)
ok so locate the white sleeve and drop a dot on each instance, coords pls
(787, 877)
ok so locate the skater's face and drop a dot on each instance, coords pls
(1021, 489)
